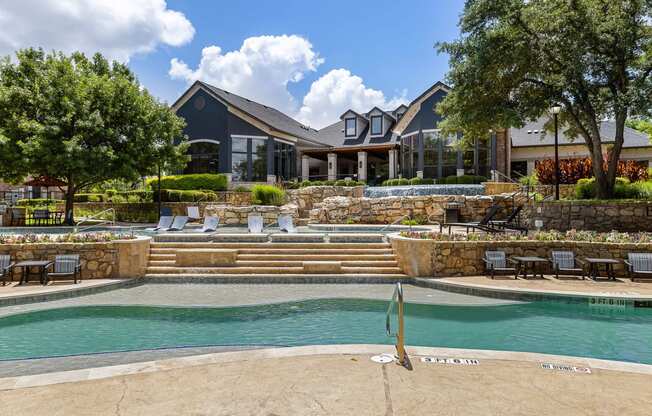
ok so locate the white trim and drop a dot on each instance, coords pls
(244, 136)
(409, 134)
(431, 131)
(203, 141)
(284, 141)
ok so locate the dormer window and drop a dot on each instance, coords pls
(376, 125)
(350, 127)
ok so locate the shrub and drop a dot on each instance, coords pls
(402, 182)
(623, 189)
(90, 198)
(267, 195)
(241, 189)
(340, 182)
(572, 170)
(206, 181)
(37, 202)
(118, 199)
(416, 181)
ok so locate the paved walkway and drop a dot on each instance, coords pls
(570, 286)
(342, 384)
(12, 289)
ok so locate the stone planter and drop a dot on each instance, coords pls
(119, 259)
(429, 258)
(232, 215)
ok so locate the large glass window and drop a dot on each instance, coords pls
(376, 125)
(449, 157)
(204, 158)
(431, 149)
(285, 161)
(350, 127)
(249, 159)
(407, 152)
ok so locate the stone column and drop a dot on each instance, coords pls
(392, 163)
(305, 167)
(332, 166)
(362, 166)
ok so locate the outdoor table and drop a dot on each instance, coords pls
(594, 267)
(522, 263)
(40, 265)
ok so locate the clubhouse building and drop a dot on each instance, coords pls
(252, 142)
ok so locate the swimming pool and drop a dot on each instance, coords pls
(545, 327)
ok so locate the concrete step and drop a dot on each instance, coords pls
(158, 263)
(285, 278)
(299, 263)
(263, 270)
(266, 245)
(344, 251)
(317, 257)
(166, 256)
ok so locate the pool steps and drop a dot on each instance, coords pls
(373, 259)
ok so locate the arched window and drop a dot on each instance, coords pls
(204, 157)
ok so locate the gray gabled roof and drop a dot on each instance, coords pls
(333, 135)
(268, 115)
(533, 134)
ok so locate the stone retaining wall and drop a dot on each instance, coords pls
(306, 198)
(339, 210)
(589, 215)
(232, 215)
(429, 258)
(120, 259)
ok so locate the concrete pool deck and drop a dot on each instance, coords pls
(619, 289)
(338, 380)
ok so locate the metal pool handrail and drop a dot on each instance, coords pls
(397, 221)
(397, 298)
(86, 220)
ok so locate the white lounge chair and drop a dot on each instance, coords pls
(286, 223)
(193, 213)
(178, 224)
(255, 223)
(210, 224)
(163, 223)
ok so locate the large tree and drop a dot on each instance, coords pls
(80, 120)
(517, 58)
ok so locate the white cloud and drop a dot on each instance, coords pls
(260, 70)
(337, 91)
(117, 28)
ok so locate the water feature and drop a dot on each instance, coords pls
(413, 190)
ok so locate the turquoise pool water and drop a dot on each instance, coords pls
(552, 328)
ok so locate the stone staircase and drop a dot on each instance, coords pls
(223, 259)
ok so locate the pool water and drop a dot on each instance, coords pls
(554, 328)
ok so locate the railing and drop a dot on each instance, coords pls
(397, 298)
(94, 216)
(407, 216)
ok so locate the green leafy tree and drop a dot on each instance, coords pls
(82, 121)
(516, 58)
(643, 125)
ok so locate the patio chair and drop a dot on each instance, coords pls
(17, 216)
(286, 223)
(64, 265)
(483, 225)
(565, 262)
(496, 261)
(178, 224)
(163, 223)
(255, 224)
(6, 267)
(639, 265)
(193, 213)
(41, 216)
(210, 224)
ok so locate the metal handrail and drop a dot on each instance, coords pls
(396, 222)
(86, 220)
(397, 298)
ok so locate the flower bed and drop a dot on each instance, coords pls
(62, 238)
(572, 235)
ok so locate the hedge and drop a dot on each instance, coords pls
(174, 195)
(194, 182)
(37, 202)
(267, 195)
(90, 198)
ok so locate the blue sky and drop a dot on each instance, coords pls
(336, 53)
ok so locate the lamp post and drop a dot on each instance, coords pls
(555, 112)
(159, 190)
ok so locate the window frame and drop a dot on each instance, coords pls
(371, 125)
(355, 127)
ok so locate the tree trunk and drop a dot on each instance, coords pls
(70, 201)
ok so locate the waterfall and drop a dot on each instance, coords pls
(412, 190)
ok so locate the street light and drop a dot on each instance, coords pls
(555, 110)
